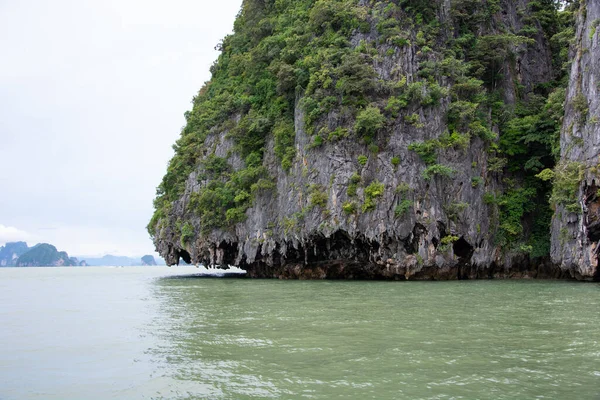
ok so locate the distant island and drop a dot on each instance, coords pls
(122, 261)
(148, 260)
(19, 254)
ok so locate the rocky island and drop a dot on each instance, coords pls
(148, 260)
(10, 252)
(19, 254)
(409, 139)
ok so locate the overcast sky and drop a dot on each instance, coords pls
(92, 96)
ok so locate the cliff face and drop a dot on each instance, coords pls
(10, 252)
(342, 139)
(576, 223)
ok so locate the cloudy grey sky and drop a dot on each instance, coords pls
(92, 96)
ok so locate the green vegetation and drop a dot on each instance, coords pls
(514, 204)
(187, 233)
(284, 143)
(414, 120)
(529, 132)
(337, 134)
(446, 242)
(454, 210)
(372, 192)
(318, 196)
(402, 188)
(438, 170)
(224, 201)
(43, 255)
(278, 50)
(353, 184)
(349, 207)
(593, 27)
(287, 53)
(402, 208)
(566, 178)
(426, 150)
(317, 142)
(581, 105)
(368, 122)
(476, 181)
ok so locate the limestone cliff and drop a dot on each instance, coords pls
(397, 140)
(10, 252)
(576, 223)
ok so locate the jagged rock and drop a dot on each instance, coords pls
(575, 235)
(445, 230)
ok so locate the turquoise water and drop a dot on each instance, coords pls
(154, 333)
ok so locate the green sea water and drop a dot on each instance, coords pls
(159, 333)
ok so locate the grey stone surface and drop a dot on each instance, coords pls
(328, 243)
(574, 235)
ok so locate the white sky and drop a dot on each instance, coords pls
(92, 96)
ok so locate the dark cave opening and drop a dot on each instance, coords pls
(411, 244)
(230, 251)
(463, 250)
(184, 255)
(441, 227)
(317, 249)
(339, 246)
(277, 254)
(592, 202)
